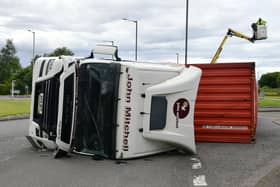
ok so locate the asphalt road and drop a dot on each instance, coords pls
(216, 164)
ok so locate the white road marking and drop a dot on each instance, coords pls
(196, 165)
(199, 180)
(195, 159)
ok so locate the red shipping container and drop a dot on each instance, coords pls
(226, 106)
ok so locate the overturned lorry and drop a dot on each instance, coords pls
(112, 108)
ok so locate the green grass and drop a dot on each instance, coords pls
(9, 107)
(271, 98)
(269, 101)
(271, 91)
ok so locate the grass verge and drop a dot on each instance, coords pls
(269, 101)
(10, 107)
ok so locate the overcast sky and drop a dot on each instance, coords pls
(80, 25)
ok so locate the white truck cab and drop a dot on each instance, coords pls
(113, 109)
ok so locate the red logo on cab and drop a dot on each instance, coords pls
(181, 108)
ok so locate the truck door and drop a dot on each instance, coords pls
(66, 114)
(169, 109)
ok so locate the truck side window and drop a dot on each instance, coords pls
(42, 68)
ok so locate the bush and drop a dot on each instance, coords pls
(5, 88)
(271, 91)
(23, 78)
(270, 79)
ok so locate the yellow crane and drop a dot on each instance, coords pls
(259, 33)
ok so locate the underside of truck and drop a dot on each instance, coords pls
(46, 107)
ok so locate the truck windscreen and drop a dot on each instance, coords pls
(97, 108)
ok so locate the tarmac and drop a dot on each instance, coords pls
(215, 164)
(269, 109)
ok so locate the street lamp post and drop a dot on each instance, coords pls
(136, 35)
(186, 37)
(33, 61)
(26, 89)
(177, 54)
(13, 88)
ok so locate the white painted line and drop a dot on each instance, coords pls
(199, 180)
(196, 165)
(195, 159)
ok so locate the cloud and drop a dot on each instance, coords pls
(79, 25)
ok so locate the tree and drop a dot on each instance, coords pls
(278, 81)
(24, 79)
(270, 79)
(9, 62)
(61, 51)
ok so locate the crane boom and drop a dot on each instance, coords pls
(230, 33)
